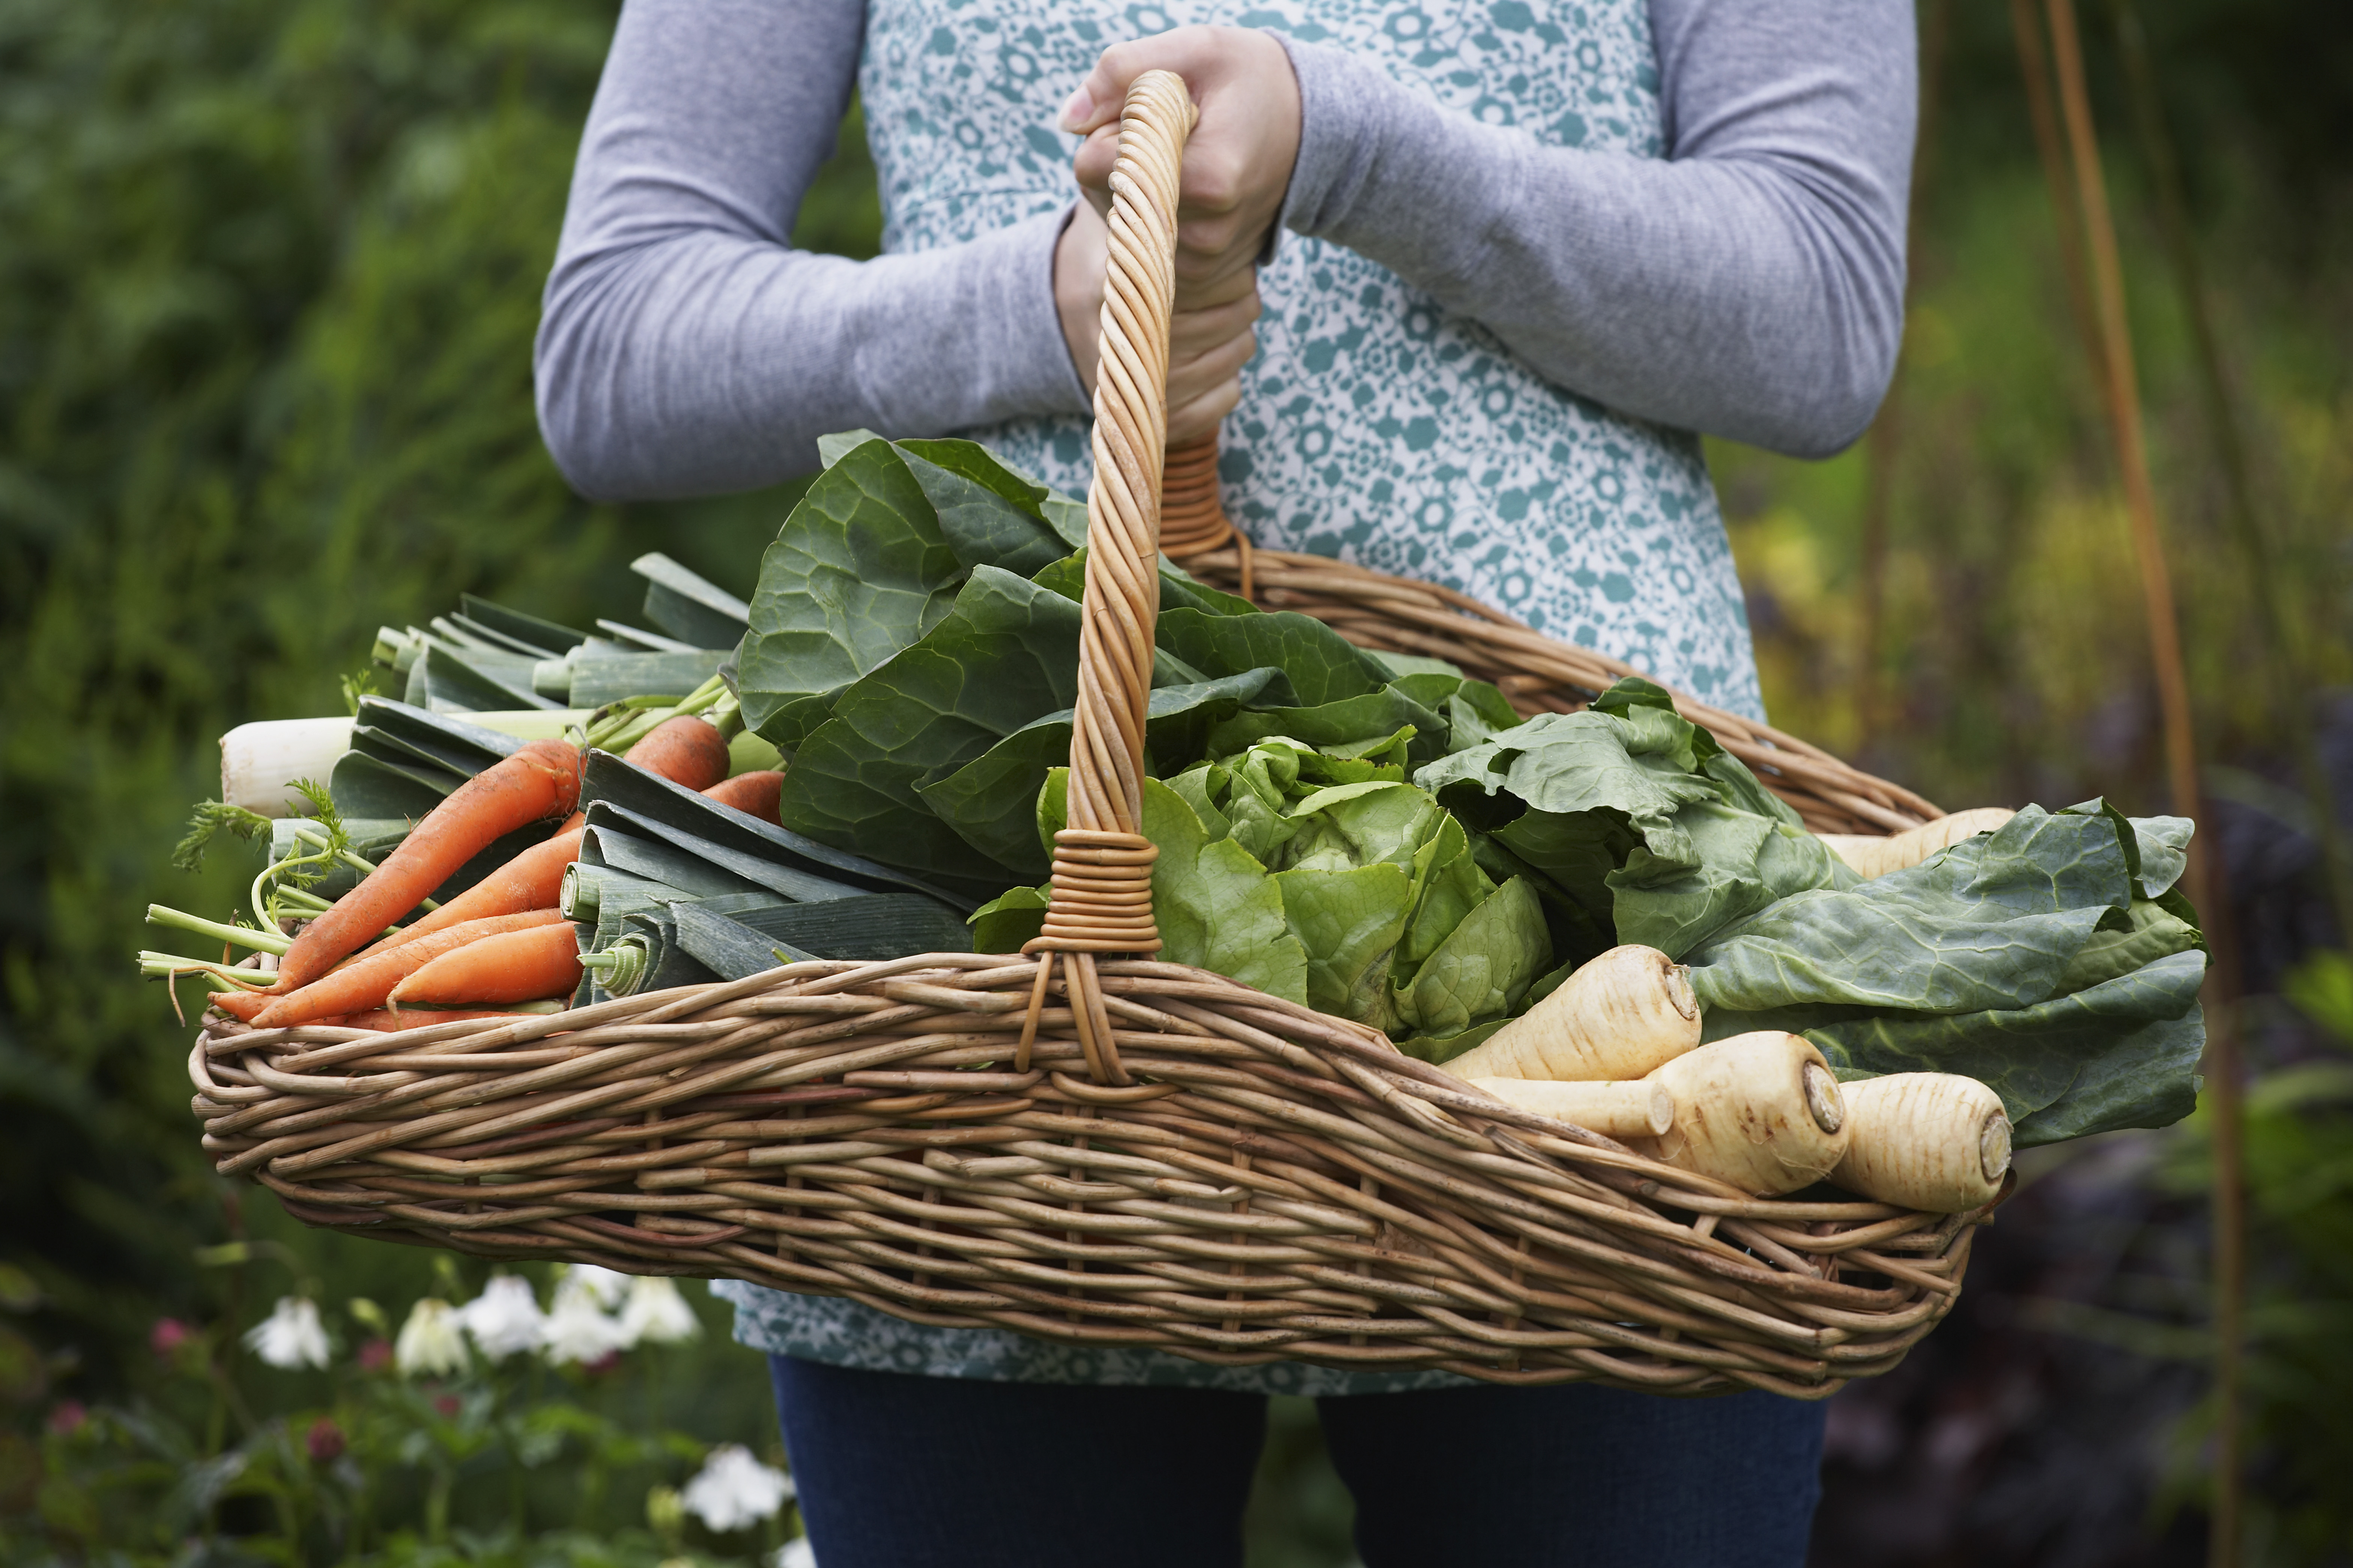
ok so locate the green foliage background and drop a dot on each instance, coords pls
(269, 280)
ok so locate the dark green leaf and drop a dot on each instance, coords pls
(991, 801)
(1323, 666)
(859, 572)
(1006, 654)
(988, 514)
(1353, 720)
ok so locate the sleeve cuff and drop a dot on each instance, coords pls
(1343, 106)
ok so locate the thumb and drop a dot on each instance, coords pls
(1097, 100)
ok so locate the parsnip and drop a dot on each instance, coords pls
(1929, 1141)
(1642, 1109)
(1762, 1111)
(1873, 856)
(1616, 1018)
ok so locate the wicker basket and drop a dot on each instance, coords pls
(1096, 1148)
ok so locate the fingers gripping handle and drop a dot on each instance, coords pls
(1100, 899)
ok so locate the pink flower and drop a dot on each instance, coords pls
(325, 1441)
(67, 1415)
(168, 1335)
(375, 1355)
(446, 1405)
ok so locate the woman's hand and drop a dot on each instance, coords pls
(1209, 339)
(1238, 163)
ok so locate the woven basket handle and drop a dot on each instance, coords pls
(1101, 898)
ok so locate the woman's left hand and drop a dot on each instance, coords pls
(1238, 163)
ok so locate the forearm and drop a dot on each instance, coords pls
(686, 348)
(1749, 286)
(705, 362)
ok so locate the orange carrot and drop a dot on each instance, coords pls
(386, 1021)
(753, 794)
(359, 985)
(685, 750)
(513, 966)
(528, 882)
(245, 1005)
(540, 781)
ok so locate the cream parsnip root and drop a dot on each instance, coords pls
(1642, 1109)
(1762, 1111)
(1616, 1018)
(1928, 1141)
(1873, 856)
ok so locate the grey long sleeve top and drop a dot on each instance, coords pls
(1748, 285)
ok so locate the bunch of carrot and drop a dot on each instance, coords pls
(502, 941)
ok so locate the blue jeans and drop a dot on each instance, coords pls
(898, 1471)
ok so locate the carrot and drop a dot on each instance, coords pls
(754, 794)
(540, 781)
(386, 1021)
(245, 1005)
(685, 750)
(512, 966)
(528, 882)
(358, 986)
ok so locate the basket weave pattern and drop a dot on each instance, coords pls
(1099, 1149)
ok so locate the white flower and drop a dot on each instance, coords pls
(506, 1318)
(290, 1336)
(430, 1344)
(795, 1553)
(577, 1329)
(656, 1312)
(604, 1285)
(734, 1489)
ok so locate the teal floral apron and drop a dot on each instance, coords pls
(1375, 426)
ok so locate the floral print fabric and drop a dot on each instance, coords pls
(1375, 426)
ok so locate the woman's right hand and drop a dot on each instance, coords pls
(1209, 341)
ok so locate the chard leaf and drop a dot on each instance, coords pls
(2123, 1053)
(1482, 970)
(1347, 924)
(991, 801)
(1006, 654)
(859, 571)
(2155, 933)
(1323, 666)
(1992, 923)
(1745, 862)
